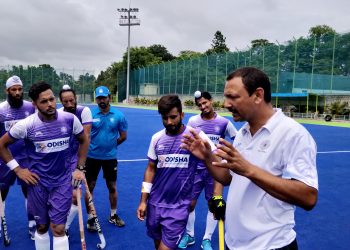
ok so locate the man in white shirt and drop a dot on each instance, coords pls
(271, 167)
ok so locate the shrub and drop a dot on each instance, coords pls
(189, 103)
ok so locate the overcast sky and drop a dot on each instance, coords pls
(85, 34)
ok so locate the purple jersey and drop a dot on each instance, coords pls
(47, 145)
(8, 117)
(85, 117)
(219, 127)
(173, 180)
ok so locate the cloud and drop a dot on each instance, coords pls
(86, 35)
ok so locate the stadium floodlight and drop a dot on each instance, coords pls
(129, 20)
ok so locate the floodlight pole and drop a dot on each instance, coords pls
(128, 20)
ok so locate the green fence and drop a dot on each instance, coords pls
(82, 81)
(316, 65)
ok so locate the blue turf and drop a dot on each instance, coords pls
(325, 227)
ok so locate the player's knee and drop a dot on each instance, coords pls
(112, 187)
(42, 228)
(193, 205)
(58, 230)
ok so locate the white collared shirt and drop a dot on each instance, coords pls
(255, 219)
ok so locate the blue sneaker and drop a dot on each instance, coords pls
(186, 241)
(206, 244)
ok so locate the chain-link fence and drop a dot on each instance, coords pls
(82, 81)
(315, 66)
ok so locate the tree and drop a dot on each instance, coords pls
(187, 54)
(259, 43)
(339, 108)
(162, 52)
(320, 31)
(218, 44)
(140, 57)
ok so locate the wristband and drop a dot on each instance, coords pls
(146, 187)
(81, 168)
(12, 164)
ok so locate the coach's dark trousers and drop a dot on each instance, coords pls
(291, 246)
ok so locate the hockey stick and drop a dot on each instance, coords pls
(7, 239)
(101, 245)
(221, 235)
(81, 223)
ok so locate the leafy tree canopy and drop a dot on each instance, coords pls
(140, 57)
(321, 30)
(160, 51)
(218, 44)
(260, 43)
(186, 54)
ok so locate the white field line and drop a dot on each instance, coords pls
(334, 152)
(322, 152)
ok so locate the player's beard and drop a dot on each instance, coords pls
(174, 129)
(103, 105)
(71, 109)
(15, 101)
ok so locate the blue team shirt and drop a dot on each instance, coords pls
(105, 131)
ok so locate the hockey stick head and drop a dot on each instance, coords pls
(101, 245)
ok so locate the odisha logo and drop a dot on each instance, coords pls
(176, 159)
(214, 138)
(57, 143)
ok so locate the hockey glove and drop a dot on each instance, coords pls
(217, 206)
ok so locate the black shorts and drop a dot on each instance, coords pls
(93, 167)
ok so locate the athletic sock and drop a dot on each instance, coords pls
(60, 243)
(210, 226)
(31, 223)
(113, 212)
(3, 207)
(72, 213)
(190, 223)
(42, 241)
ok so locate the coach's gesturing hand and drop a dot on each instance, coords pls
(231, 159)
(26, 175)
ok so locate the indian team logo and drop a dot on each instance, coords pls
(111, 119)
(173, 161)
(26, 113)
(51, 146)
(264, 145)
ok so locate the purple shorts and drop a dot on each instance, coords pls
(203, 180)
(7, 176)
(166, 224)
(50, 204)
